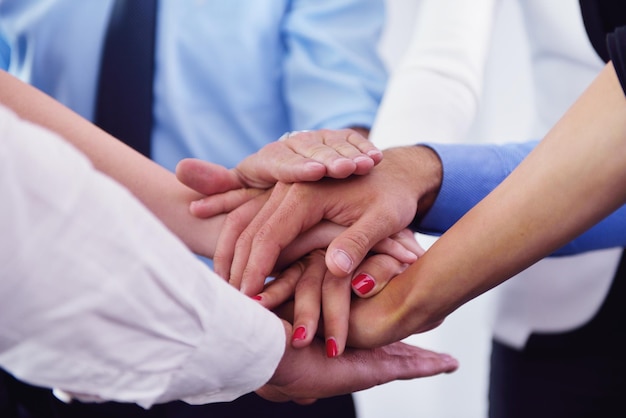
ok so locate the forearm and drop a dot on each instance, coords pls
(572, 179)
(471, 172)
(433, 94)
(94, 285)
(156, 187)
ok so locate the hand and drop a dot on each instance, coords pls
(300, 156)
(315, 291)
(309, 156)
(373, 207)
(306, 374)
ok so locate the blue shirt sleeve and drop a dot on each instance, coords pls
(332, 69)
(5, 54)
(471, 171)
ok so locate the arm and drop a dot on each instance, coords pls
(433, 93)
(156, 187)
(405, 183)
(471, 172)
(296, 159)
(140, 311)
(573, 179)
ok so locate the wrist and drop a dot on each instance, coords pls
(423, 169)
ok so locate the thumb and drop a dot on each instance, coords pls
(350, 247)
(205, 177)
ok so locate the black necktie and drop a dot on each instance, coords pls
(124, 96)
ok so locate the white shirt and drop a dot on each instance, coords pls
(100, 300)
(434, 96)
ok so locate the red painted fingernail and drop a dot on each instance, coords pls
(331, 348)
(299, 334)
(363, 283)
(257, 297)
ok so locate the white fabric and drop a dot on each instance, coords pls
(434, 96)
(100, 300)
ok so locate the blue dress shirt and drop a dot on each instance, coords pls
(230, 76)
(471, 171)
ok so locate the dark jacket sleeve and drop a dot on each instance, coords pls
(616, 44)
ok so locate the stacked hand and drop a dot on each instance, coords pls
(328, 234)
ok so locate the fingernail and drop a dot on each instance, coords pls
(299, 334)
(451, 361)
(314, 164)
(343, 261)
(193, 205)
(331, 348)
(361, 158)
(257, 297)
(363, 283)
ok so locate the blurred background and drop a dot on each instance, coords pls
(466, 334)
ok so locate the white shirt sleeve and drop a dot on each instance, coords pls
(100, 300)
(434, 92)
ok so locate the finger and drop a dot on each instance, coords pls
(365, 146)
(406, 361)
(357, 148)
(318, 236)
(374, 273)
(336, 293)
(349, 249)
(402, 246)
(397, 249)
(205, 177)
(337, 155)
(408, 239)
(344, 151)
(282, 218)
(308, 300)
(232, 227)
(278, 162)
(282, 288)
(217, 204)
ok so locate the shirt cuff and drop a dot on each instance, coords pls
(470, 172)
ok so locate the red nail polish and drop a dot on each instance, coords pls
(331, 348)
(299, 333)
(363, 283)
(257, 297)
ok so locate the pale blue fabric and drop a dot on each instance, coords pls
(230, 75)
(471, 171)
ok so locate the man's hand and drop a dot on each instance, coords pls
(306, 374)
(373, 207)
(297, 156)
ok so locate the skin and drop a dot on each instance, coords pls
(168, 198)
(160, 191)
(306, 277)
(254, 234)
(302, 374)
(355, 370)
(583, 156)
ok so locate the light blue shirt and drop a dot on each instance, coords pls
(471, 171)
(230, 75)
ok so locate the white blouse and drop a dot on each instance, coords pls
(100, 300)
